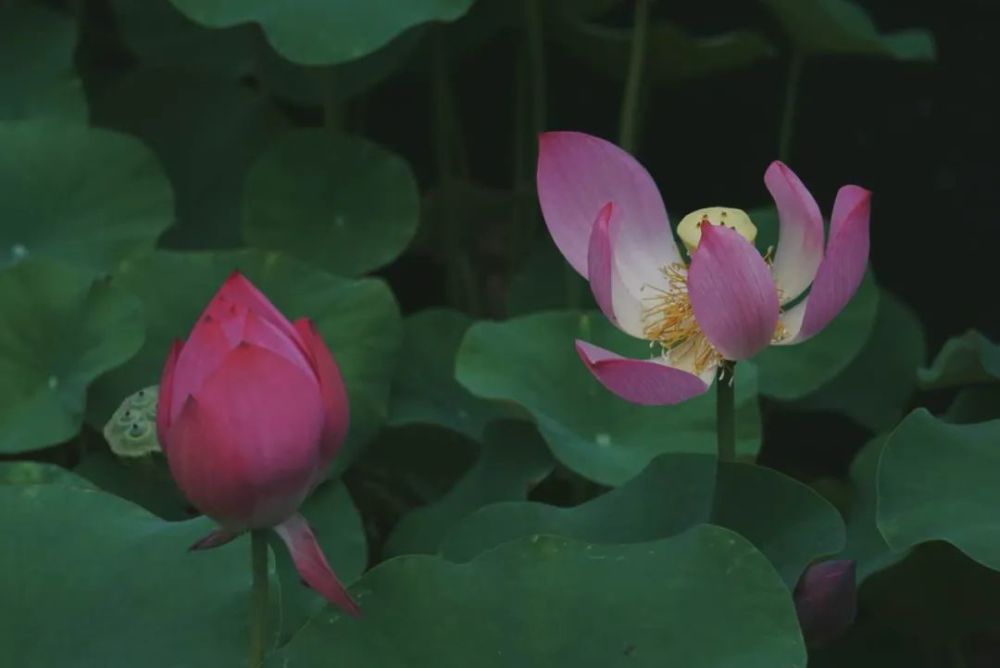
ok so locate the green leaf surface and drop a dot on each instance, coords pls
(545, 281)
(937, 481)
(37, 77)
(359, 321)
(789, 522)
(531, 361)
(83, 196)
(324, 32)
(513, 460)
(547, 601)
(335, 200)
(822, 27)
(964, 360)
(59, 332)
(875, 388)
(424, 389)
(795, 371)
(161, 36)
(37, 473)
(100, 582)
(206, 131)
(145, 481)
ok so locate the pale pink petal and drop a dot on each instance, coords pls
(577, 175)
(800, 239)
(842, 270)
(265, 334)
(312, 565)
(245, 447)
(648, 382)
(732, 293)
(166, 394)
(331, 383)
(200, 355)
(621, 306)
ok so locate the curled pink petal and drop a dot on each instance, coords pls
(245, 452)
(619, 305)
(646, 382)
(800, 240)
(312, 565)
(239, 290)
(732, 293)
(217, 538)
(842, 269)
(826, 601)
(334, 393)
(577, 175)
(263, 333)
(166, 394)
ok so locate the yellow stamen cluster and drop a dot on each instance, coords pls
(668, 321)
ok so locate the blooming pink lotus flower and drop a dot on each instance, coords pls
(728, 303)
(252, 410)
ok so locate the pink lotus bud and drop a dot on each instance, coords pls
(826, 601)
(252, 410)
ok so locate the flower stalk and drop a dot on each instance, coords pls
(258, 597)
(725, 411)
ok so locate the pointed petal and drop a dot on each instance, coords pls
(312, 565)
(826, 601)
(166, 393)
(265, 334)
(577, 175)
(217, 538)
(245, 448)
(201, 354)
(238, 289)
(733, 294)
(335, 402)
(800, 239)
(620, 306)
(646, 382)
(842, 269)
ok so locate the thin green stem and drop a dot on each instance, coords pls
(258, 598)
(725, 412)
(791, 100)
(629, 124)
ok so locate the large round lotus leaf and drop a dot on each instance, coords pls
(865, 544)
(359, 320)
(964, 360)
(786, 520)
(792, 372)
(207, 131)
(877, 385)
(58, 332)
(531, 361)
(937, 481)
(84, 196)
(37, 473)
(324, 32)
(129, 593)
(322, 85)
(145, 481)
(843, 27)
(514, 459)
(335, 200)
(424, 389)
(549, 601)
(36, 64)
(160, 35)
(337, 524)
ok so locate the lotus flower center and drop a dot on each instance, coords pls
(689, 229)
(668, 321)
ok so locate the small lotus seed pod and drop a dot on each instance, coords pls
(131, 431)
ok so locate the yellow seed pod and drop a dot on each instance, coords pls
(689, 229)
(131, 431)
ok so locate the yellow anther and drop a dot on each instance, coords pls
(689, 229)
